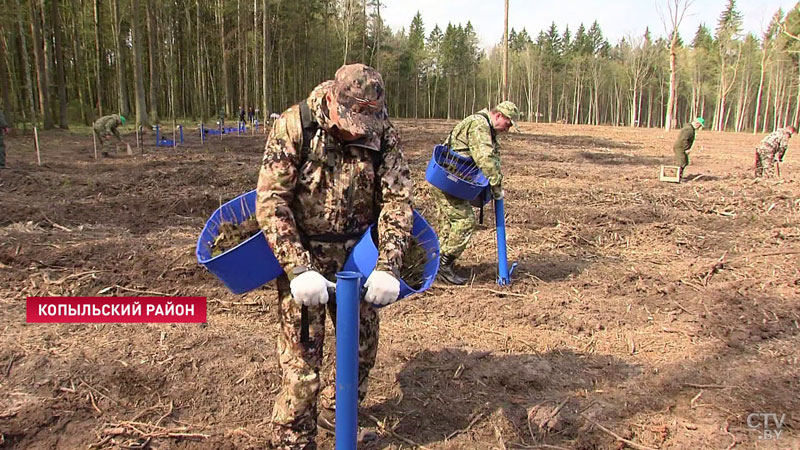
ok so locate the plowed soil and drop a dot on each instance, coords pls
(663, 314)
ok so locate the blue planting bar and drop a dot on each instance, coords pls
(347, 322)
(503, 272)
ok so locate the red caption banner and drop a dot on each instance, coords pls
(116, 309)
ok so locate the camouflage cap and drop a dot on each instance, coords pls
(509, 110)
(361, 99)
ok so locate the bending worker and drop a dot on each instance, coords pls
(475, 136)
(683, 145)
(331, 168)
(772, 150)
(107, 125)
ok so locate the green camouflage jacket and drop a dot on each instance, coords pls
(332, 191)
(108, 123)
(777, 143)
(475, 136)
(3, 123)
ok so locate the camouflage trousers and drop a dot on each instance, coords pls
(765, 162)
(103, 135)
(99, 133)
(294, 417)
(456, 223)
(2, 150)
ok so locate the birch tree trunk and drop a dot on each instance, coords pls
(122, 88)
(50, 69)
(41, 71)
(155, 61)
(227, 101)
(138, 71)
(98, 47)
(265, 69)
(757, 114)
(61, 80)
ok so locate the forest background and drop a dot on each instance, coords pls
(67, 62)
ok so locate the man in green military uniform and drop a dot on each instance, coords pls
(4, 126)
(684, 143)
(108, 125)
(332, 166)
(475, 136)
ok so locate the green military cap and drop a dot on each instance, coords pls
(701, 121)
(122, 119)
(509, 110)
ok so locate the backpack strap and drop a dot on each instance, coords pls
(310, 127)
(488, 121)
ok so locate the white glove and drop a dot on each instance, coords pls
(310, 288)
(382, 288)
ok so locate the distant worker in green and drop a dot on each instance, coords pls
(683, 144)
(476, 137)
(107, 125)
(4, 126)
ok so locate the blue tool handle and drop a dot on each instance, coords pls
(503, 275)
(347, 321)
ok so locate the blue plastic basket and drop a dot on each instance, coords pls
(250, 264)
(455, 184)
(364, 256)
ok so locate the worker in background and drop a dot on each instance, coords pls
(683, 144)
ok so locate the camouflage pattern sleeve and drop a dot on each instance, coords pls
(3, 123)
(483, 151)
(772, 141)
(275, 192)
(395, 219)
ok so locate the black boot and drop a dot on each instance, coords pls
(447, 272)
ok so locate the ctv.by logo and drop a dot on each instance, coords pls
(770, 425)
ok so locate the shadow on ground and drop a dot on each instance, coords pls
(616, 159)
(448, 392)
(570, 141)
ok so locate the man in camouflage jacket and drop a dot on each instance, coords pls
(108, 125)
(475, 136)
(772, 150)
(314, 201)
